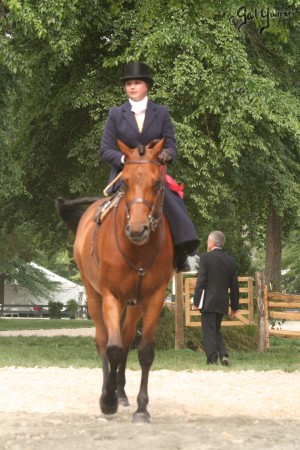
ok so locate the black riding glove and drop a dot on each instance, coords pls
(164, 156)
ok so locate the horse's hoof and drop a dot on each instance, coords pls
(108, 409)
(123, 401)
(141, 417)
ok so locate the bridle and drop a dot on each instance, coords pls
(153, 221)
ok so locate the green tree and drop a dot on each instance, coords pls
(46, 138)
(233, 94)
(290, 264)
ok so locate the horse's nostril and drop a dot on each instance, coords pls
(137, 234)
(146, 229)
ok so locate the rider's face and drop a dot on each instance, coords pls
(136, 89)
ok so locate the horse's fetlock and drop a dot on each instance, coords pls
(143, 400)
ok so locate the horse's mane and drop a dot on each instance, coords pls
(71, 211)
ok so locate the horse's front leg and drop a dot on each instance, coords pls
(146, 356)
(133, 314)
(95, 312)
(111, 310)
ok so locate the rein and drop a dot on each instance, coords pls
(141, 271)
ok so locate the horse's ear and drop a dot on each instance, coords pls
(124, 149)
(158, 147)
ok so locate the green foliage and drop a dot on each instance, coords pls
(21, 274)
(233, 95)
(291, 264)
(61, 262)
(55, 309)
(236, 338)
(72, 308)
(225, 112)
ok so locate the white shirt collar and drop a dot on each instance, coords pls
(140, 106)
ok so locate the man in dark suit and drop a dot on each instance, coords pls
(140, 121)
(217, 274)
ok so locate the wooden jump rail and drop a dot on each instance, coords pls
(280, 306)
(246, 312)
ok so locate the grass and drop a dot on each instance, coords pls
(36, 351)
(284, 354)
(43, 324)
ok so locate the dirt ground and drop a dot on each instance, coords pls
(57, 409)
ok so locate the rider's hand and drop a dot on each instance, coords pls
(164, 156)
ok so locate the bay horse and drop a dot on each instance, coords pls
(125, 264)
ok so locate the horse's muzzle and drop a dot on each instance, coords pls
(138, 235)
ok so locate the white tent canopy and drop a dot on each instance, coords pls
(66, 290)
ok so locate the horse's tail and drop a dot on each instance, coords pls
(71, 211)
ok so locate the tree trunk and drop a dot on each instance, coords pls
(261, 312)
(273, 250)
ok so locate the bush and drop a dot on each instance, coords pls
(55, 309)
(165, 333)
(72, 308)
(236, 338)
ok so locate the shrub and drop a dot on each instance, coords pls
(72, 308)
(55, 309)
(236, 338)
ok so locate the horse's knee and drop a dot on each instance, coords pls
(146, 355)
(114, 354)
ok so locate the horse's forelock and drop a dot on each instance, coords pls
(141, 149)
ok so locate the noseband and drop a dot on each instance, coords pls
(152, 220)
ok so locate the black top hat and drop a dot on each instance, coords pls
(137, 71)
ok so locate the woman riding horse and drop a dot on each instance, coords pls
(125, 265)
(140, 121)
(127, 262)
